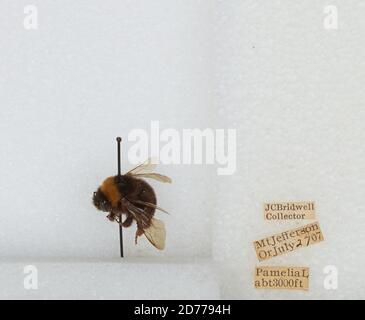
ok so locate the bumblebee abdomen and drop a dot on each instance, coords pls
(142, 191)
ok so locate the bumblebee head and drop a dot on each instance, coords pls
(101, 202)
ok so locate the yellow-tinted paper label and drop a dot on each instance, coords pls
(288, 241)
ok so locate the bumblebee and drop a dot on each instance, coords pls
(130, 195)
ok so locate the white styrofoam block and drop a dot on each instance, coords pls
(110, 279)
(294, 91)
(67, 89)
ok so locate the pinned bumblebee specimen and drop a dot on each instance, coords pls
(131, 196)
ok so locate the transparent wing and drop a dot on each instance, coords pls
(146, 167)
(156, 176)
(149, 204)
(156, 234)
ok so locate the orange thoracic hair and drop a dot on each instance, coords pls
(110, 190)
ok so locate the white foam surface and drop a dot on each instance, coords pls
(109, 279)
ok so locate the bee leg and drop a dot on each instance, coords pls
(139, 232)
(111, 216)
(128, 221)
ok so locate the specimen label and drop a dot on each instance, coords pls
(288, 241)
(289, 210)
(293, 278)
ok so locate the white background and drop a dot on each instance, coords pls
(94, 70)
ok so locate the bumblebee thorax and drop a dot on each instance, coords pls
(111, 191)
